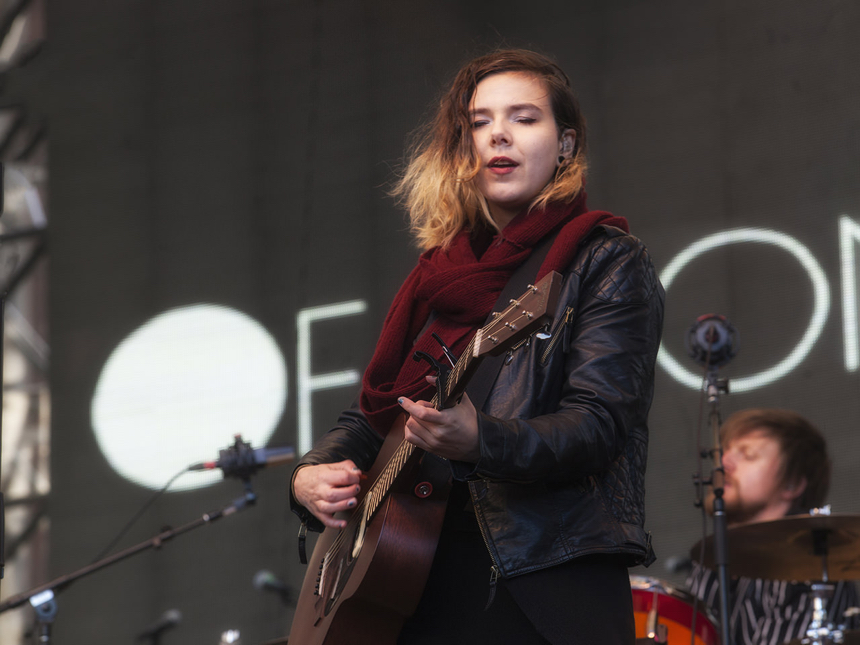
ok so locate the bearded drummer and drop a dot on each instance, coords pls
(776, 464)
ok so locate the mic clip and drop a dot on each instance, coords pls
(239, 460)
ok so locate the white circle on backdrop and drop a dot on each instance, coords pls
(820, 307)
(178, 388)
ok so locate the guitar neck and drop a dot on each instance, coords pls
(380, 488)
(459, 377)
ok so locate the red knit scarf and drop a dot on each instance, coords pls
(462, 290)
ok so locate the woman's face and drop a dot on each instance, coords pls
(517, 141)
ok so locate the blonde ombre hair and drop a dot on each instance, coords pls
(438, 187)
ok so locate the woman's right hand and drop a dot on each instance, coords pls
(326, 489)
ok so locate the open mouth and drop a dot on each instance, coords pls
(502, 162)
(502, 165)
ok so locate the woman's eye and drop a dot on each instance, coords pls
(525, 119)
(478, 124)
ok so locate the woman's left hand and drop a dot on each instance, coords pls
(451, 433)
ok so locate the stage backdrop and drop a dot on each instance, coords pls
(223, 250)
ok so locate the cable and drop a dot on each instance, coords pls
(137, 515)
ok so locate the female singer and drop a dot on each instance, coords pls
(547, 507)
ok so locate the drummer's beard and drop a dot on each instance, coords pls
(737, 511)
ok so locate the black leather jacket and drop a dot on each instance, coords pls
(563, 433)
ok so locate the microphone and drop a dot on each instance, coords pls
(265, 580)
(712, 340)
(242, 461)
(169, 618)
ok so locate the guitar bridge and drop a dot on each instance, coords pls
(320, 574)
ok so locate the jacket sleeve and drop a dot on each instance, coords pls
(352, 438)
(604, 387)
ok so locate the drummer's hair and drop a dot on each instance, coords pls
(804, 450)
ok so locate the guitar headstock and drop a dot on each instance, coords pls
(523, 317)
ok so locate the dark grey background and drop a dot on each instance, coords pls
(239, 152)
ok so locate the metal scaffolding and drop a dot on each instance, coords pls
(25, 459)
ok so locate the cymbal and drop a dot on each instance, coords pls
(783, 549)
(850, 637)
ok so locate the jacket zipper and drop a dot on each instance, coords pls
(557, 334)
(525, 341)
(495, 571)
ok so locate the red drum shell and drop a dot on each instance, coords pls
(674, 609)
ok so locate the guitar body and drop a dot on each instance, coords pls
(365, 580)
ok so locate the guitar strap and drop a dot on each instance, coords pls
(484, 377)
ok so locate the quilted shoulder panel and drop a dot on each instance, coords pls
(619, 269)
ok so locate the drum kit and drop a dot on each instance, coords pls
(819, 548)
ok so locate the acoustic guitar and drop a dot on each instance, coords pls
(366, 579)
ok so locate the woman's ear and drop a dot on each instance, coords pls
(567, 143)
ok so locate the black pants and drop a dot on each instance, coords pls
(586, 601)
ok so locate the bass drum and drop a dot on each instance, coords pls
(674, 610)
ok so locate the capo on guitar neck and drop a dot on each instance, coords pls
(448, 353)
(442, 373)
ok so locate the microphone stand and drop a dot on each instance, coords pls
(43, 600)
(715, 387)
